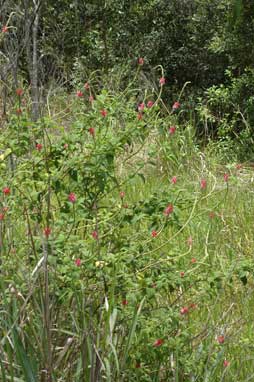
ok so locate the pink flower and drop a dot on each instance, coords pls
(19, 92)
(158, 342)
(87, 86)
(149, 104)
(203, 184)
(104, 113)
(226, 177)
(6, 191)
(66, 146)
(172, 130)
(141, 61)
(140, 116)
(72, 197)
(78, 262)
(38, 146)
(124, 302)
(154, 233)
(169, 209)
(79, 93)
(141, 106)
(91, 98)
(226, 363)
(221, 339)
(122, 194)
(184, 310)
(91, 131)
(95, 235)
(182, 274)
(4, 29)
(174, 180)
(176, 105)
(193, 260)
(47, 231)
(162, 81)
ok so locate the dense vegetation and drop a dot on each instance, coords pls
(126, 179)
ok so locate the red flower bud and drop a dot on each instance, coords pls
(78, 262)
(169, 209)
(141, 61)
(158, 342)
(19, 92)
(72, 197)
(47, 231)
(104, 112)
(6, 191)
(176, 105)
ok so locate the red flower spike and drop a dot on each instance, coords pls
(184, 310)
(176, 105)
(182, 274)
(91, 131)
(122, 194)
(172, 130)
(19, 92)
(139, 116)
(158, 343)
(38, 146)
(72, 197)
(149, 104)
(154, 233)
(78, 262)
(226, 177)
(141, 106)
(168, 210)
(6, 191)
(4, 29)
(226, 363)
(162, 81)
(87, 86)
(95, 235)
(79, 94)
(1, 216)
(221, 339)
(47, 231)
(193, 260)
(124, 302)
(203, 184)
(141, 61)
(174, 180)
(104, 113)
